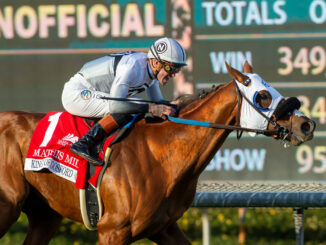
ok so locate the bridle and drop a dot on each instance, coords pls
(280, 131)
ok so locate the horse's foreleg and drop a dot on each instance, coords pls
(13, 192)
(43, 221)
(172, 235)
(113, 231)
(115, 237)
(9, 213)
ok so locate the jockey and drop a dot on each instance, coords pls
(121, 75)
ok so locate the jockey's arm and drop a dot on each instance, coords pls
(124, 107)
(120, 89)
(121, 107)
(154, 92)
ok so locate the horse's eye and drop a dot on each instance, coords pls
(264, 99)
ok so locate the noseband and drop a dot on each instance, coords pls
(285, 108)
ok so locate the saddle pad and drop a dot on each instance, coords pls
(49, 148)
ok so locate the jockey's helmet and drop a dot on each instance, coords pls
(168, 50)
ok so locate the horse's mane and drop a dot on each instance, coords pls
(188, 99)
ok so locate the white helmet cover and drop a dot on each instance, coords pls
(169, 50)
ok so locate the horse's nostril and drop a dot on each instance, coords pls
(305, 127)
(308, 127)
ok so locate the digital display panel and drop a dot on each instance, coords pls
(285, 43)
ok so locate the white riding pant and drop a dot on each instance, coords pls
(79, 98)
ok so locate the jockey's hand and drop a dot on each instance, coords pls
(161, 110)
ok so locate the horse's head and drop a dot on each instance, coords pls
(264, 108)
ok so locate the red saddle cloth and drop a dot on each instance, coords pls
(49, 148)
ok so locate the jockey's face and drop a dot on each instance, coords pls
(165, 71)
(163, 76)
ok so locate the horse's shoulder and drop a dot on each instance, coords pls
(20, 118)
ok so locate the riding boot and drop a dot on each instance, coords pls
(85, 146)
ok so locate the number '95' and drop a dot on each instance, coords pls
(311, 159)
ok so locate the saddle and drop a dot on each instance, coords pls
(49, 151)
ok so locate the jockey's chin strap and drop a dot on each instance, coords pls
(279, 131)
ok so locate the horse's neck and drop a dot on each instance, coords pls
(186, 150)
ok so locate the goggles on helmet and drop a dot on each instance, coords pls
(171, 69)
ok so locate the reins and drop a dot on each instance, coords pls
(220, 126)
(280, 131)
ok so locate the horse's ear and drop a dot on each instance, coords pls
(247, 68)
(237, 75)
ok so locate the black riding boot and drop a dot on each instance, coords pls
(85, 145)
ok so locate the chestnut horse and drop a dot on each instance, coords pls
(152, 178)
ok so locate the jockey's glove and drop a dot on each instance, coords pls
(161, 110)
